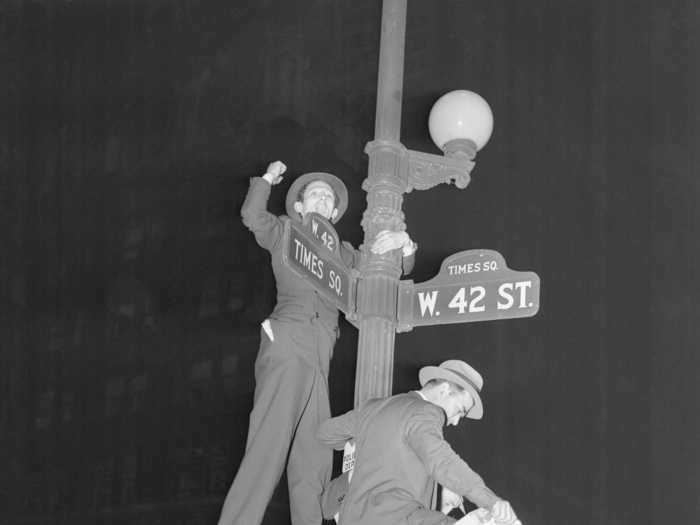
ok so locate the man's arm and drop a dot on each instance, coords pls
(349, 255)
(336, 431)
(424, 436)
(384, 242)
(388, 240)
(266, 227)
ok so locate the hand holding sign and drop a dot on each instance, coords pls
(450, 501)
(503, 513)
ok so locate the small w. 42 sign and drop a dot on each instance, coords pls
(312, 250)
(473, 285)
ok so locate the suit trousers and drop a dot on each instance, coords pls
(290, 402)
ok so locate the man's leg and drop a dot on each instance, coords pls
(310, 463)
(283, 383)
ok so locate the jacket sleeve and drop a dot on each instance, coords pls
(349, 255)
(266, 227)
(424, 436)
(336, 431)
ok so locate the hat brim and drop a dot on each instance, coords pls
(341, 192)
(435, 372)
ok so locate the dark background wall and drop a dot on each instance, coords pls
(131, 294)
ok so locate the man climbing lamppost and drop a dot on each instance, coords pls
(311, 269)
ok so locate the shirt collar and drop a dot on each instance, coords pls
(421, 394)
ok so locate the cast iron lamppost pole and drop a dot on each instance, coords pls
(460, 123)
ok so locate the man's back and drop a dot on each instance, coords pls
(390, 480)
(401, 453)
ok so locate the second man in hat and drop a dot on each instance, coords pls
(401, 454)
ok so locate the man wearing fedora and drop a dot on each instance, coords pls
(401, 453)
(291, 369)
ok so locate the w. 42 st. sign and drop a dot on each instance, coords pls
(473, 285)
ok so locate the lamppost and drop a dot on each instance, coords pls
(460, 124)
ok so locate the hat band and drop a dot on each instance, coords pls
(465, 379)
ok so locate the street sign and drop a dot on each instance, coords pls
(472, 285)
(312, 249)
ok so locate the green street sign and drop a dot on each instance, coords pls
(472, 285)
(312, 250)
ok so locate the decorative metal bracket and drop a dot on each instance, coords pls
(426, 170)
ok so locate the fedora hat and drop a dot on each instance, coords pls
(341, 192)
(459, 373)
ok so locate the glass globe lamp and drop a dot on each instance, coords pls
(460, 123)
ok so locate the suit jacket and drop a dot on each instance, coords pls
(297, 299)
(400, 455)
